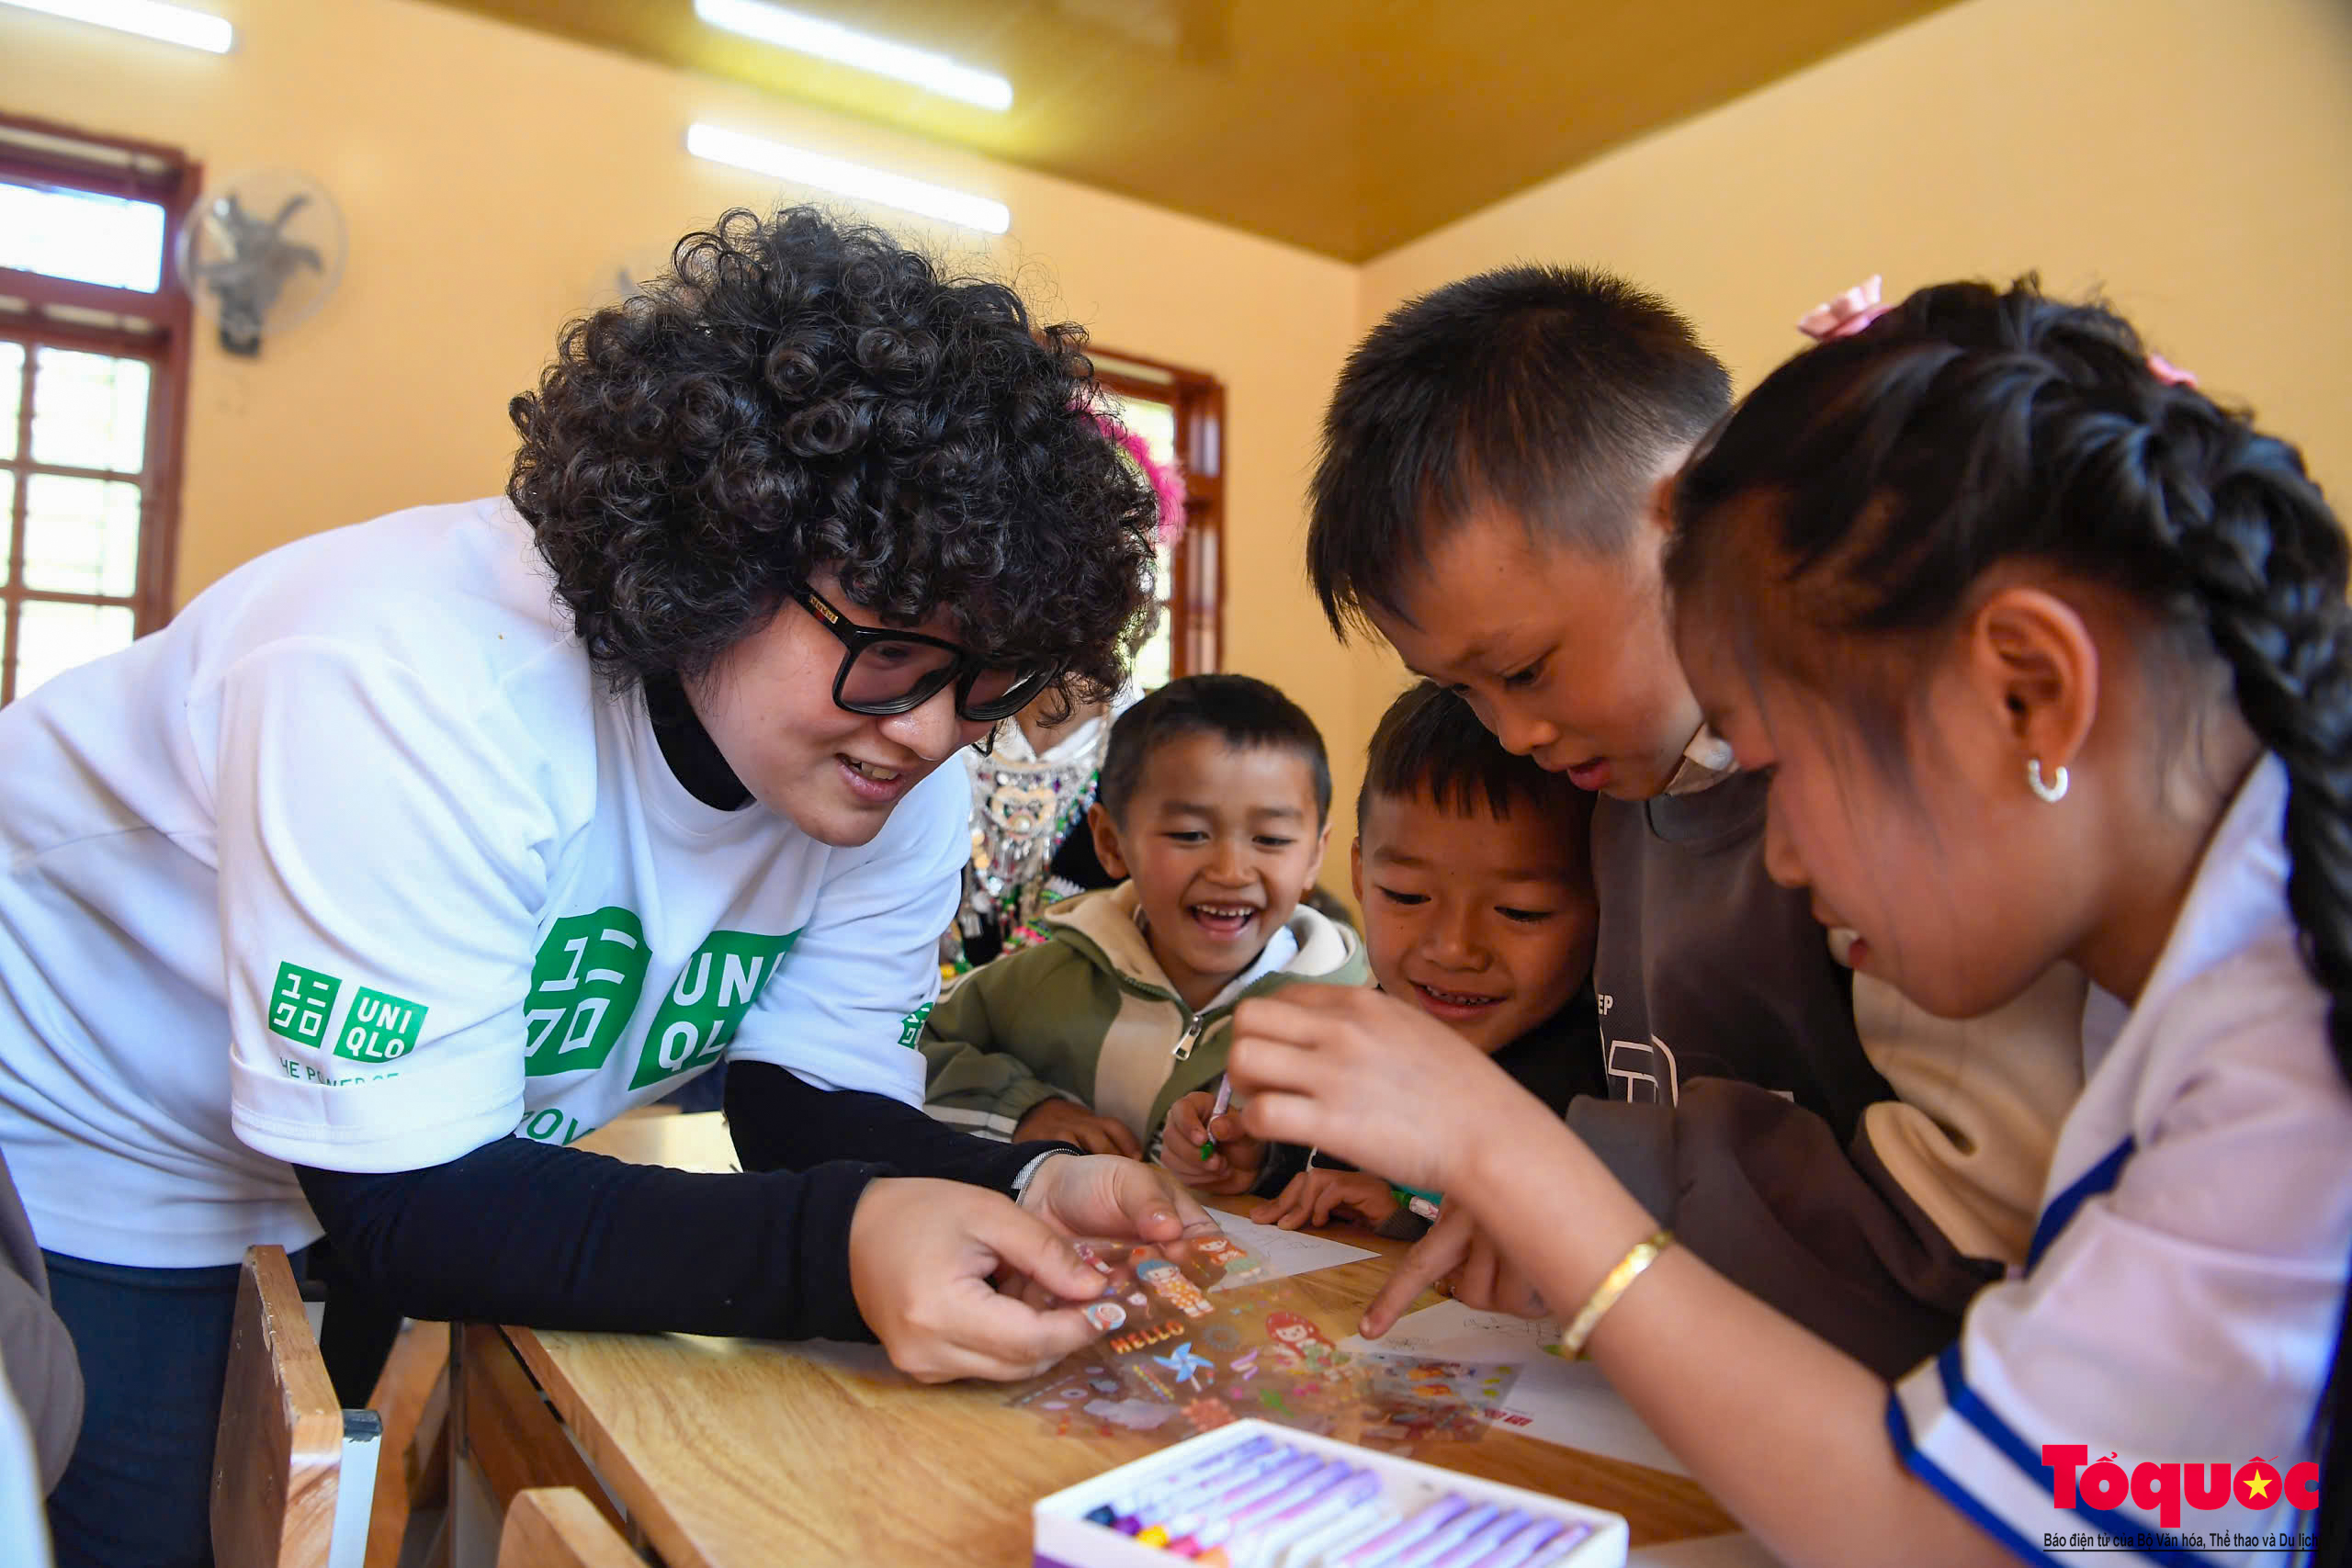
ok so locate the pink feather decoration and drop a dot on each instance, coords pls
(1167, 482)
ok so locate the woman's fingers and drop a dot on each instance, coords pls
(986, 1335)
(1027, 1245)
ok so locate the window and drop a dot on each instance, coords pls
(1181, 416)
(93, 379)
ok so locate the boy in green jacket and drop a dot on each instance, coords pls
(1214, 806)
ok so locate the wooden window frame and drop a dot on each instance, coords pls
(1196, 599)
(40, 311)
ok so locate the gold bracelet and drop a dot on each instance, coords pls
(1604, 1296)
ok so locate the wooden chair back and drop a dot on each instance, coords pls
(555, 1526)
(293, 1472)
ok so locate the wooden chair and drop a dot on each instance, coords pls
(555, 1526)
(413, 1475)
(293, 1472)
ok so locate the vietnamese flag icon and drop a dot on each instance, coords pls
(2257, 1485)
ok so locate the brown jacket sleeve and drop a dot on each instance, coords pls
(1761, 1190)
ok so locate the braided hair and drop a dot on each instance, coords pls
(1972, 425)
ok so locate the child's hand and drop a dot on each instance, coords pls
(1462, 1261)
(1073, 1123)
(1313, 1197)
(1231, 1168)
(1372, 1079)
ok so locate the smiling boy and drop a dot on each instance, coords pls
(1470, 865)
(1488, 502)
(1213, 805)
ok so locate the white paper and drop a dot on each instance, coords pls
(1569, 1402)
(1287, 1252)
(1451, 1332)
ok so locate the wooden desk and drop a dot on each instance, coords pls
(725, 1453)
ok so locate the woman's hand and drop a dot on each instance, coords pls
(1463, 1262)
(1313, 1197)
(1073, 1123)
(923, 1256)
(1231, 1167)
(1370, 1078)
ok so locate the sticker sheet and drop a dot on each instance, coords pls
(1189, 1343)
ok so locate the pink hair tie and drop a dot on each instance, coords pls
(2171, 374)
(1847, 314)
(1166, 483)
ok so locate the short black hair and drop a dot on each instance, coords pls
(802, 391)
(1429, 743)
(1243, 712)
(1555, 392)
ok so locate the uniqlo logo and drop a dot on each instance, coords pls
(299, 1003)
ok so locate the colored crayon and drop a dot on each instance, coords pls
(1217, 1109)
(1264, 1504)
(1168, 1494)
(1524, 1544)
(1430, 1547)
(1297, 1524)
(1301, 1490)
(1412, 1527)
(1552, 1554)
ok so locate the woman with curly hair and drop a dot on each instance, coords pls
(411, 852)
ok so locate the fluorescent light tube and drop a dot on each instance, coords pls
(149, 18)
(843, 178)
(831, 40)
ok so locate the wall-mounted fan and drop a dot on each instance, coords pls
(261, 253)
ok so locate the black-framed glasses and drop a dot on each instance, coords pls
(885, 672)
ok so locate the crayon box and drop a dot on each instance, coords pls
(1065, 1537)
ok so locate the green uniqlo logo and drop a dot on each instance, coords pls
(584, 988)
(299, 1003)
(710, 998)
(380, 1028)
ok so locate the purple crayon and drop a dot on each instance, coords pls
(1224, 1503)
(1182, 1504)
(1220, 1468)
(1413, 1526)
(1557, 1552)
(1296, 1523)
(1301, 1493)
(1329, 1541)
(1515, 1551)
(1435, 1545)
(1487, 1537)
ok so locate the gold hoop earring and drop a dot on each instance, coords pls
(2052, 790)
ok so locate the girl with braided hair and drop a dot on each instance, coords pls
(2050, 658)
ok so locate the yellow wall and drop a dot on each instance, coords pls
(2187, 155)
(494, 180)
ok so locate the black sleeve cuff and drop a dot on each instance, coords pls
(550, 1237)
(782, 1123)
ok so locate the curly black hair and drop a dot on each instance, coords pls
(803, 392)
